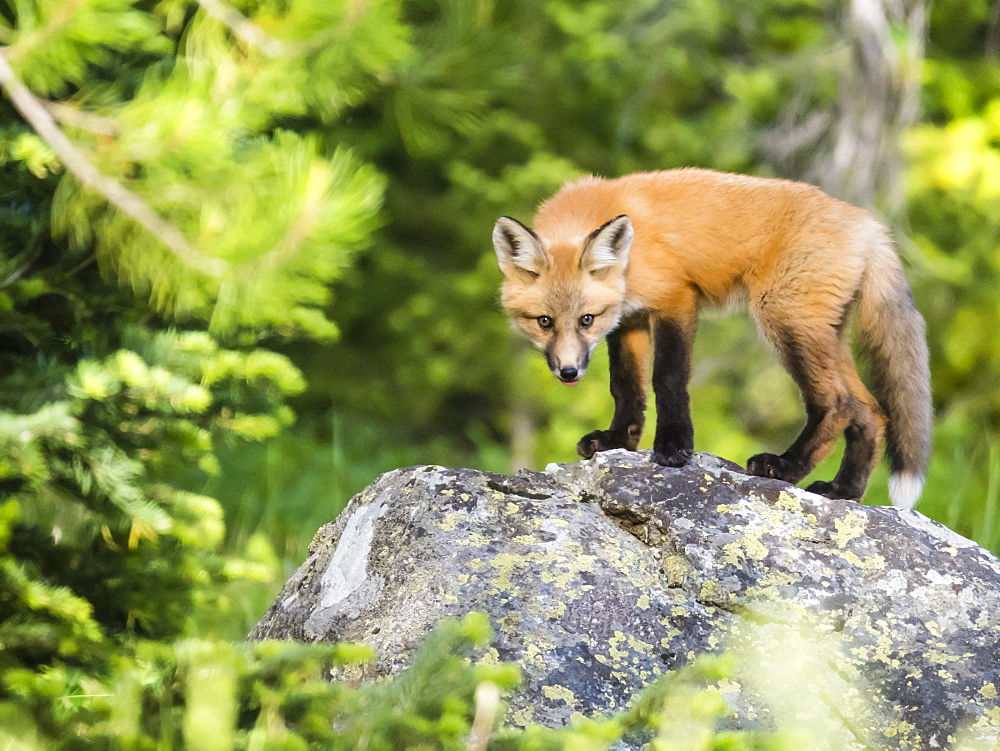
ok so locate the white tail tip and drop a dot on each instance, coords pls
(904, 490)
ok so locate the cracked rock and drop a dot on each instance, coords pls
(869, 626)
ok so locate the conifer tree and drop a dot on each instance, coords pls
(168, 204)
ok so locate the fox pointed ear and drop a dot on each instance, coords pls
(608, 246)
(518, 248)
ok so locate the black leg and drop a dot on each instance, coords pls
(627, 350)
(674, 441)
(864, 437)
(813, 361)
(851, 479)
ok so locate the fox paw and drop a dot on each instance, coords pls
(777, 467)
(833, 490)
(605, 440)
(671, 456)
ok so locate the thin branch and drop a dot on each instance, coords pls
(90, 177)
(19, 272)
(243, 28)
(487, 704)
(82, 265)
(105, 126)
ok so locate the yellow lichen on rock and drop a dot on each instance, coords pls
(676, 567)
(849, 527)
(899, 728)
(559, 692)
(749, 546)
(875, 562)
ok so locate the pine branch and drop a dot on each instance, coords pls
(316, 185)
(61, 18)
(32, 110)
(243, 28)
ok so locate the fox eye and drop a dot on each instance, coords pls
(545, 322)
(586, 320)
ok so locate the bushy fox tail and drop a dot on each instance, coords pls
(891, 334)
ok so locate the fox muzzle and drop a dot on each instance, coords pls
(568, 370)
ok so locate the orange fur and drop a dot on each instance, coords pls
(715, 233)
(797, 256)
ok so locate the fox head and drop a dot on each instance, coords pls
(564, 294)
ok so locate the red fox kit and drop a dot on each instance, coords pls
(633, 259)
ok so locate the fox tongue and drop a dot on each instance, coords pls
(569, 383)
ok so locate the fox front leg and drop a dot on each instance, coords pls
(674, 441)
(628, 354)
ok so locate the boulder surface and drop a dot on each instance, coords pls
(867, 626)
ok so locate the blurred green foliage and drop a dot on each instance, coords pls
(334, 170)
(564, 89)
(278, 695)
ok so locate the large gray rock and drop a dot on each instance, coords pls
(866, 627)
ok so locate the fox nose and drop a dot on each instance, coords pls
(568, 374)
